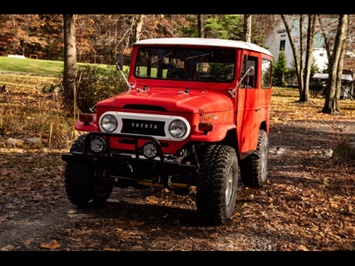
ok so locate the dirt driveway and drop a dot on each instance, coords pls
(307, 204)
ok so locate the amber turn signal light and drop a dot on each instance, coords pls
(86, 118)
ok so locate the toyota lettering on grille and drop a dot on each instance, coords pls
(143, 127)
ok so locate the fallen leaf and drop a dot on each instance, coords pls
(7, 248)
(51, 245)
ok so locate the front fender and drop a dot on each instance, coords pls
(218, 133)
(80, 126)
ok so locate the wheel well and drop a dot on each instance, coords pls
(231, 140)
(263, 126)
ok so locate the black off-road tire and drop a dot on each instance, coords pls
(217, 185)
(253, 169)
(85, 185)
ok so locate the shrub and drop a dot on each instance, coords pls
(280, 71)
(95, 83)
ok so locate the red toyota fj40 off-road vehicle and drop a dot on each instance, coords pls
(196, 111)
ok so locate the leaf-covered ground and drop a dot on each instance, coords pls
(307, 204)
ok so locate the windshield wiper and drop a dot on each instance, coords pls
(197, 56)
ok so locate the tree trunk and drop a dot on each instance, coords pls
(298, 62)
(301, 73)
(331, 104)
(341, 62)
(323, 28)
(70, 63)
(201, 30)
(247, 27)
(140, 22)
(309, 54)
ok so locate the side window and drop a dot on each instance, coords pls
(249, 79)
(266, 73)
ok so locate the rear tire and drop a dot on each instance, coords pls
(253, 169)
(86, 185)
(217, 184)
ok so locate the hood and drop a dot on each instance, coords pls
(172, 100)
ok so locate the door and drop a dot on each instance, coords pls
(248, 101)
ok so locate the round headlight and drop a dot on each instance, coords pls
(109, 123)
(97, 144)
(177, 128)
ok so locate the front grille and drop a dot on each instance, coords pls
(145, 127)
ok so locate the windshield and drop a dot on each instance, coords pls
(203, 64)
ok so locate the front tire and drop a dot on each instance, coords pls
(253, 168)
(217, 184)
(86, 185)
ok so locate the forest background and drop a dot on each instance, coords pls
(99, 38)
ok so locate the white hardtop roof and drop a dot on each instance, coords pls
(204, 42)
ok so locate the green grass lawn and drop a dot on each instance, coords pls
(35, 66)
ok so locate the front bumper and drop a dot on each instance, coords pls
(122, 164)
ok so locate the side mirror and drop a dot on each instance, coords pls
(250, 68)
(119, 63)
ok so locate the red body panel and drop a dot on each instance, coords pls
(245, 111)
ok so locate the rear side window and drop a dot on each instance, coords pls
(266, 69)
